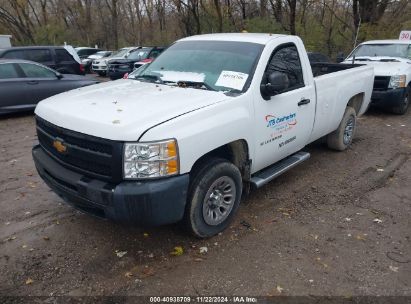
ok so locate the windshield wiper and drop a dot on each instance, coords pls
(198, 84)
(150, 77)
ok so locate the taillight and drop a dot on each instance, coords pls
(82, 68)
(125, 76)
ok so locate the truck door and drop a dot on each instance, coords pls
(284, 122)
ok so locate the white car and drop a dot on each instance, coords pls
(99, 66)
(391, 60)
(184, 136)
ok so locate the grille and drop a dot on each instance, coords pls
(89, 155)
(381, 83)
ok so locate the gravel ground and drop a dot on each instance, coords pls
(339, 224)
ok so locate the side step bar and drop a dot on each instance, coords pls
(266, 175)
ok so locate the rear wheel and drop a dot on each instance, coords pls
(404, 105)
(214, 196)
(341, 138)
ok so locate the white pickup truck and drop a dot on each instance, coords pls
(391, 60)
(186, 135)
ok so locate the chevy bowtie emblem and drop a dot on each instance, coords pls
(59, 146)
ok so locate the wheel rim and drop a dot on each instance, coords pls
(219, 201)
(349, 130)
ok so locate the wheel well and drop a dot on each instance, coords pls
(356, 102)
(236, 152)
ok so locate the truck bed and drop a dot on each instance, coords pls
(320, 69)
(336, 84)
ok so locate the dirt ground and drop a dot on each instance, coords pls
(339, 224)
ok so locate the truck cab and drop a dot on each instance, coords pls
(183, 137)
(391, 60)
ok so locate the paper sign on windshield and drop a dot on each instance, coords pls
(233, 80)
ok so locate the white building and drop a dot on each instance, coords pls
(5, 41)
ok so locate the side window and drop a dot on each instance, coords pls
(36, 71)
(285, 59)
(38, 55)
(14, 55)
(63, 55)
(8, 71)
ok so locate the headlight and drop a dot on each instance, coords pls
(397, 81)
(151, 159)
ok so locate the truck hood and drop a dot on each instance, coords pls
(123, 109)
(383, 66)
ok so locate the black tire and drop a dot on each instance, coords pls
(208, 180)
(402, 108)
(102, 74)
(342, 138)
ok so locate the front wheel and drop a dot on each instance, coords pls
(402, 108)
(214, 196)
(342, 138)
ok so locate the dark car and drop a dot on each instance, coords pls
(118, 67)
(24, 83)
(54, 57)
(84, 52)
(315, 57)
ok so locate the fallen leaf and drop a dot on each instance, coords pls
(380, 170)
(8, 223)
(145, 234)
(46, 238)
(203, 249)
(360, 237)
(178, 250)
(377, 220)
(198, 260)
(128, 274)
(279, 289)
(24, 246)
(148, 271)
(348, 219)
(151, 255)
(393, 268)
(120, 254)
(29, 281)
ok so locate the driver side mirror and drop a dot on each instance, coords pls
(59, 75)
(277, 82)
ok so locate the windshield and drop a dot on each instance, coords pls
(213, 65)
(120, 53)
(383, 50)
(139, 55)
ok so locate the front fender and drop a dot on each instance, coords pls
(206, 129)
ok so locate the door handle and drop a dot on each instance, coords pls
(32, 82)
(304, 101)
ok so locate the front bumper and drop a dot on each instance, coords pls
(145, 203)
(99, 68)
(388, 99)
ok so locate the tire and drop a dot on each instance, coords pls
(342, 138)
(208, 210)
(102, 74)
(402, 108)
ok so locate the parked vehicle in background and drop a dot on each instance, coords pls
(180, 137)
(391, 60)
(84, 52)
(54, 57)
(315, 57)
(24, 83)
(118, 67)
(88, 61)
(99, 66)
